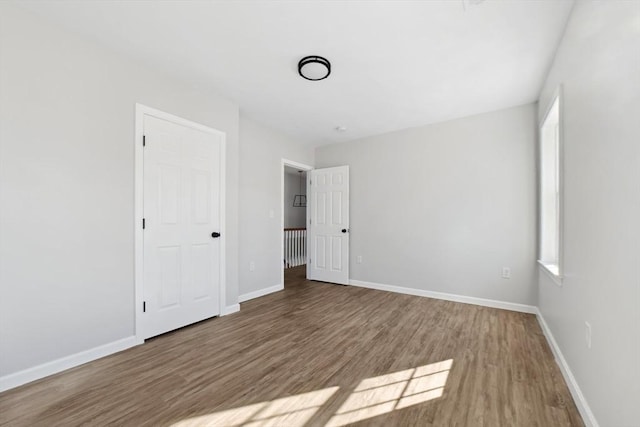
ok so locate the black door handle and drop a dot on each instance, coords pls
(344, 230)
(215, 234)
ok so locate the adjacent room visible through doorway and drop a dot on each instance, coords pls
(294, 212)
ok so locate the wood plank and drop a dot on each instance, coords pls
(304, 356)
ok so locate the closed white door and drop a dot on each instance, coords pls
(182, 248)
(328, 225)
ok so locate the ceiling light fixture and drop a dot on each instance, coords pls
(314, 68)
(341, 128)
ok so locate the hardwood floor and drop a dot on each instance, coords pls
(318, 354)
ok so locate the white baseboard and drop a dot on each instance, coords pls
(260, 293)
(230, 309)
(17, 379)
(523, 308)
(37, 372)
(583, 407)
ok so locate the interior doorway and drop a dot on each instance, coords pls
(294, 220)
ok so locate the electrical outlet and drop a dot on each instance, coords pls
(587, 334)
(252, 266)
(506, 273)
(359, 259)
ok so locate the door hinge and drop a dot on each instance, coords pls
(309, 260)
(144, 140)
(144, 223)
(144, 306)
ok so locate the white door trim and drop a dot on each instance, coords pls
(141, 111)
(299, 166)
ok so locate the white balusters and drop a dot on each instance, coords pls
(295, 247)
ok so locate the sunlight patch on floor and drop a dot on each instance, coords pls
(290, 411)
(372, 397)
(386, 393)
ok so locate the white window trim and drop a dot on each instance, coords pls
(555, 272)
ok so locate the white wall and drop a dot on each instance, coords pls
(598, 64)
(67, 109)
(261, 152)
(294, 216)
(444, 207)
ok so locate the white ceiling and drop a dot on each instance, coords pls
(395, 64)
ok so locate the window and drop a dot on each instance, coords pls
(550, 190)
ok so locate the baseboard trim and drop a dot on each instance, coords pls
(260, 293)
(37, 372)
(523, 308)
(46, 369)
(583, 407)
(230, 309)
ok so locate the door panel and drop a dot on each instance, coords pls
(336, 253)
(169, 194)
(181, 209)
(328, 216)
(320, 252)
(170, 283)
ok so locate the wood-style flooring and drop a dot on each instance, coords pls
(317, 354)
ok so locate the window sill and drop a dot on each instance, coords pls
(553, 271)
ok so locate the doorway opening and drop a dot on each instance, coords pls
(294, 220)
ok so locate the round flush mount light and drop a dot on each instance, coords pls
(314, 68)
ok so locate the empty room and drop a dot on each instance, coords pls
(320, 213)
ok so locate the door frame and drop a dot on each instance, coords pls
(301, 166)
(141, 111)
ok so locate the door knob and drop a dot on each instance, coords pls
(215, 234)
(344, 230)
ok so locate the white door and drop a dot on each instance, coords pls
(182, 267)
(328, 225)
